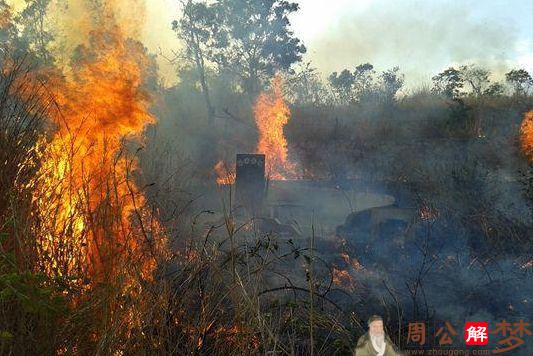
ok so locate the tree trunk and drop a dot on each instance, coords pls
(203, 82)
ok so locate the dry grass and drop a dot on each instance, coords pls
(228, 290)
(222, 292)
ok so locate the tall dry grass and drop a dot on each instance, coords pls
(229, 290)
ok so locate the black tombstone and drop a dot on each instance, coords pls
(250, 180)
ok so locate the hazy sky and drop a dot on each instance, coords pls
(421, 37)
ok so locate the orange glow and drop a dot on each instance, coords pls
(427, 213)
(351, 261)
(238, 336)
(225, 176)
(342, 278)
(87, 200)
(271, 115)
(526, 135)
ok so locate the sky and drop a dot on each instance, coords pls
(422, 37)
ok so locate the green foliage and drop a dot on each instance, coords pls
(33, 292)
(448, 83)
(342, 84)
(306, 87)
(197, 28)
(468, 79)
(5, 336)
(249, 38)
(257, 39)
(363, 79)
(32, 305)
(494, 90)
(392, 82)
(476, 78)
(520, 80)
(361, 85)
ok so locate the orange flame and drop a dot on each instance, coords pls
(342, 278)
(351, 261)
(86, 198)
(526, 135)
(225, 176)
(271, 116)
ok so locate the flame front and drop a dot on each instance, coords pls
(86, 199)
(271, 116)
(526, 135)
(225, 176)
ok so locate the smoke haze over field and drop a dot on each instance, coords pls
(218, 203)
(421, 37)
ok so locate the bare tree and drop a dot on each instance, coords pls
(196, 28)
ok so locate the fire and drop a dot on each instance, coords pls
(428, 213)
(342, 278)
(271, 116)
(225, 176)
(526, 132)
(86, 199)
(351, 262)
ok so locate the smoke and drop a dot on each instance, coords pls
(74, 20)
(420, 37)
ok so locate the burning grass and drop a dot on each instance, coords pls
(83, 255)
(85, 197)
(86, 266)
(85, 235)
(526, 138)
(225, 175)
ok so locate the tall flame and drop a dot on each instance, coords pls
(526, 135)
(87, 201)
(271, 116)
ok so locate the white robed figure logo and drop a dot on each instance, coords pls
(375, 342)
